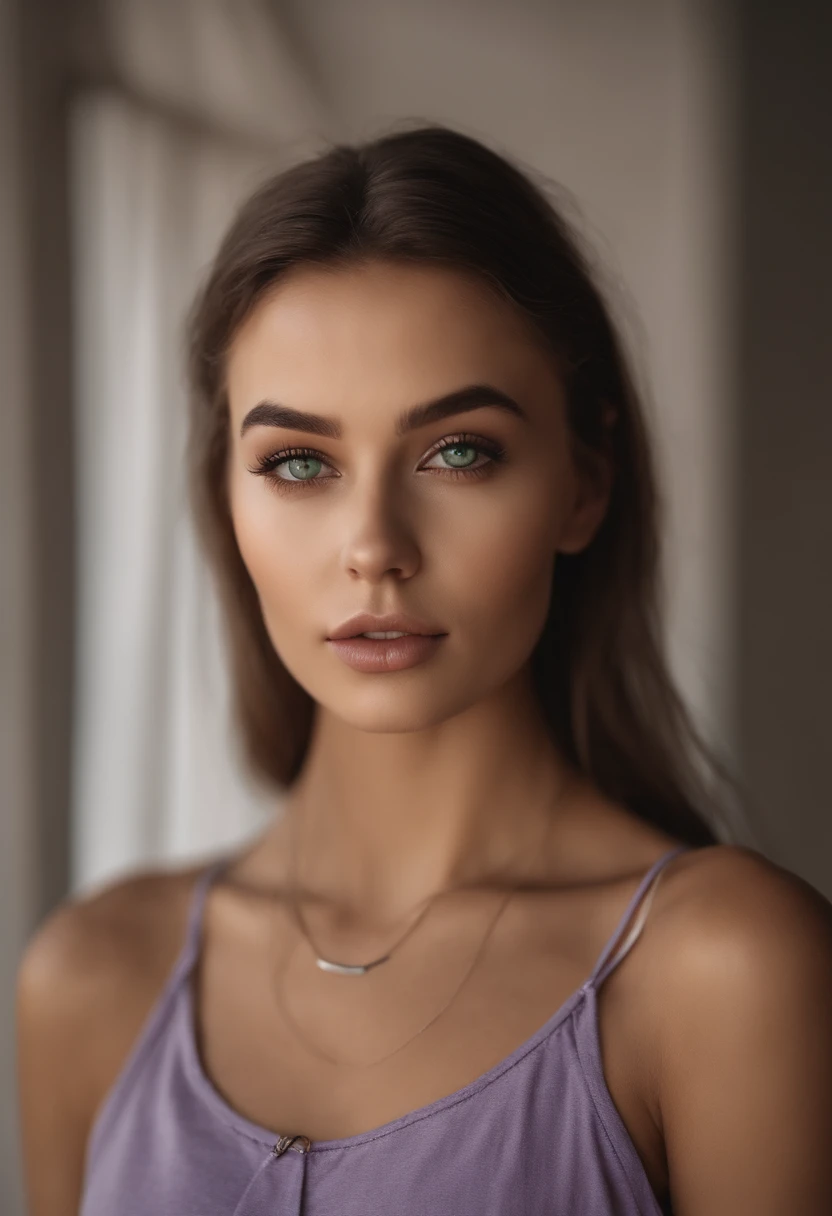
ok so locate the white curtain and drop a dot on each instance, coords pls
(157, 776)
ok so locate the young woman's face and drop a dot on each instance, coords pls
(373, 517)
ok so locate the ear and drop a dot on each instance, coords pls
(594, 473)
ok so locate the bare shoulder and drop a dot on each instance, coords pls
(744, 1048)
(728, 910)
(85, 984)
(97, 958)
(729, 935)
(124, 930)
(733, 1011)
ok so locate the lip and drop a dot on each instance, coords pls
(390, 654)
(365, 622)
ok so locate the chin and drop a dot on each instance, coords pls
(395, 710)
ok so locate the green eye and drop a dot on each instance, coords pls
(454, 451)
(299, 467)
(459, 452)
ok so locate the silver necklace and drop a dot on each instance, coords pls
(351, 969)
(300, 1034)
(327, 964)
(356, 969)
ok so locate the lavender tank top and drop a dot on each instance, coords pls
(537, 1133)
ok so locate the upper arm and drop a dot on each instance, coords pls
(53, 1082)
(745, 1074)
(85, 986)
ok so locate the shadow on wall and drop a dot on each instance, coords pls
(784, 642)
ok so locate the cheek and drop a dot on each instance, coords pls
(277, 558)
(498, 564)
(492, 580)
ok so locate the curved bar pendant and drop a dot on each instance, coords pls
(349, 968)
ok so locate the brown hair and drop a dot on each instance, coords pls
(434, 195)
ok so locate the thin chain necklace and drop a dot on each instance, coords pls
(292, 1022)
(326, 964)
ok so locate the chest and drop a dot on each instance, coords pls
(424, 1026)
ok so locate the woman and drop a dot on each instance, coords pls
(420, 469)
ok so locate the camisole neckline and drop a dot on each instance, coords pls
(211, 1096)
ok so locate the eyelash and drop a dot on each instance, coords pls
(267, 465)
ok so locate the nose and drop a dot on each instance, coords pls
(379, 539)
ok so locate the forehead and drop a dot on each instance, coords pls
(395, 332)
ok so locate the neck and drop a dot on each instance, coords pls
(381, 822)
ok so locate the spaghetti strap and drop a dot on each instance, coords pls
(606, 964)
(193, 931)
(157, 1020)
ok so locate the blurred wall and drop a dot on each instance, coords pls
(36, 496)
(17, 797)
(784, 411)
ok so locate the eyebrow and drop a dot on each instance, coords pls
(472, 397)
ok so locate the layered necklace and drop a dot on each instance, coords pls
(358, 969)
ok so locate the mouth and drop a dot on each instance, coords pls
(382, 636)
(378, 654)
(388, 626)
